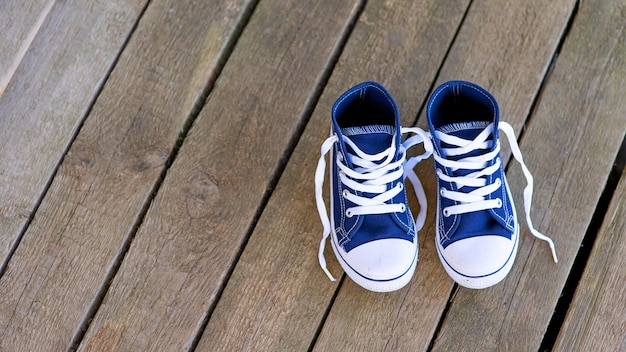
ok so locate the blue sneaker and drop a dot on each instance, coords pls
(477, 232)
(374, 236)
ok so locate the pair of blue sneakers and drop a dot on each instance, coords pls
(371, 228)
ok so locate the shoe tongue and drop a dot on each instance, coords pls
(371, 139)
(466, 130)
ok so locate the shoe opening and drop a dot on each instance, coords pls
(368, 105)
(459, 102)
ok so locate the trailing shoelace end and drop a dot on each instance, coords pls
(322, 261)
(553, 249)
(545, 238)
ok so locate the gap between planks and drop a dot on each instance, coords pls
(310, 105)
(189, 140)
(90, 105)
(582, 257)
(433, 84)
(533, 106)
(8, 75)
(193, 114)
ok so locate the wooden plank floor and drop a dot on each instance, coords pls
(157, 161)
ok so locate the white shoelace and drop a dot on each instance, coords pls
(475, 200)
(372, 174)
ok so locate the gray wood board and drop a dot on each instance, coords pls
(111, 168)
(278, 295)
(20, 21)
(569, 144)
(47, 97)
(595, 319)
(200, 218)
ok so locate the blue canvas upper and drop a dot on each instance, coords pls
(368, 116)
(464, 110)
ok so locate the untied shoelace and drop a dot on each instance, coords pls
(476, 199)
(371, 174)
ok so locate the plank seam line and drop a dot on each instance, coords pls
(192, 116)
(544, 82)
(547, 338)
(87, 113)
(333, 298)
(280, 168)
(442, 317)
(433, 83)
(335, 58)
(8, 76)
(81, 122)
(431, 88)
(548, 72)
(584, 252)
(533, 106)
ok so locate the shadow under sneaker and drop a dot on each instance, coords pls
(373, 233)
(477, 232)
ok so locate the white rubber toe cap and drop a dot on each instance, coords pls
(479, 256)
(383, 259)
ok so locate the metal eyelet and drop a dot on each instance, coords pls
(402, 208)
(400, 186)
(499, 204)
(446, 212)
(348, 213)
(345, 193)
(442, 191)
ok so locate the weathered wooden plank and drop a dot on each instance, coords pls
(48, 96)
(194, 230)
(570, 144)
(489, 37)
(277, 294)
(506, 47)
(112, 166)
(19, 23)
(596, 317)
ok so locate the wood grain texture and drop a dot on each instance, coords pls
(111, 168)
(193, 232)
(20, 21)
(55, 57)
(47, 97)
(406, 320)
(569, 144)
(595, 319)
(360, 320)
(507, 47)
